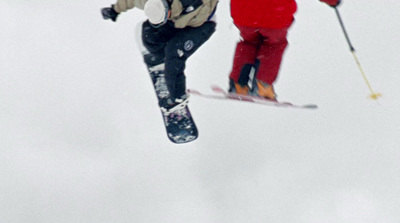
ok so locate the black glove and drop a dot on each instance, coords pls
(109, 13)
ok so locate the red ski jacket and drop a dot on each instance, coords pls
(273, 14)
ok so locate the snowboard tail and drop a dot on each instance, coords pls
(179, 124)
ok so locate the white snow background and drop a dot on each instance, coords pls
(82, 139)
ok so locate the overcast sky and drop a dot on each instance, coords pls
(82, 138)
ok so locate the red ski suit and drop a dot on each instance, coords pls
(263, 26)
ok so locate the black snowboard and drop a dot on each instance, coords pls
(179, 124)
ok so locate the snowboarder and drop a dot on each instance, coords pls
(263, 26)
(175, 29)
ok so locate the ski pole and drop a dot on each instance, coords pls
(373, 95)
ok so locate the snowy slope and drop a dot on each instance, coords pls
(82, 139)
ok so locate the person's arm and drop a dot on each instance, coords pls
(121, 6)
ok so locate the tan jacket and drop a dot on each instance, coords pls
(194, 18)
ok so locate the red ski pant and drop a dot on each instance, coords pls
(262, 47)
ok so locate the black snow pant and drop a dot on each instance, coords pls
(175, 46)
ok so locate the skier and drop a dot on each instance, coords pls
(263, 26)
(175, 29)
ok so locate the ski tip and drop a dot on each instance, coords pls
(217, 88)
(311, 106)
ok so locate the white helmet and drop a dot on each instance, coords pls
(157, 11)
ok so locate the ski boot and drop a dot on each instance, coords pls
(264, 90)
(237, 88)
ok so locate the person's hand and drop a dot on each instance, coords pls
(109, 13)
